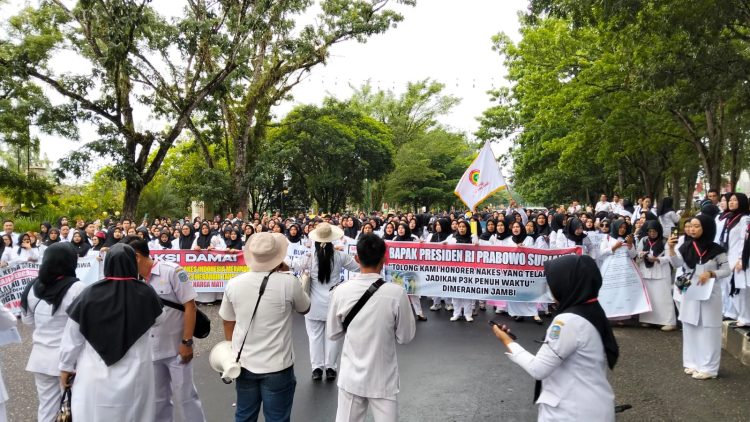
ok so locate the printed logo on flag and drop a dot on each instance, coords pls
(474, 177)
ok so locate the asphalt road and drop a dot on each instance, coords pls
(456, 371)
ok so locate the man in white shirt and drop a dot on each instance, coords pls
(267, 357)
(8, 227)
(615, 204)
(171, 337)
(574, 208)
(603, 205)
(369, 379)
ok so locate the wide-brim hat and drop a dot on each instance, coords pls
(265, 251)
(326, 233)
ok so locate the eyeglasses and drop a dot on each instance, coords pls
(604, 226)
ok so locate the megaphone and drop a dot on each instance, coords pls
(223, 360)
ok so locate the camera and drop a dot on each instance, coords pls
(683, 282)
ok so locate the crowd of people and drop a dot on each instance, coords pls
(712, 247)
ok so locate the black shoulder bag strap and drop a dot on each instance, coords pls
(361, 302)
(260, 295)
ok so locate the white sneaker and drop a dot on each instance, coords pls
(455, 318)
(499, 311)
(690, 371)
(469, 319)
(702, 376)
(435, 307)
(669, 328)
(449, 307)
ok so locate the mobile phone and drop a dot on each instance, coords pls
(500, 326)
(675, 232)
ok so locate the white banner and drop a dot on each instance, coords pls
(623, 292)
(89, 269)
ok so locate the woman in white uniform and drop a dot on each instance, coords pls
(657, 276)
(325, 266)
(579, 346)
(404, 234)
(518, 238)
(43, 304)
(25, 252)
(7, 321)
(106, 343)
(207, 241)
(442, 232)
(732, 238)
(701, 260)
(463, 236)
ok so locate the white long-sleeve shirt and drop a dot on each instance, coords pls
(368, 359)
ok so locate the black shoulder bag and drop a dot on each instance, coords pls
(202, 322)
(260, 295)
(361, 302)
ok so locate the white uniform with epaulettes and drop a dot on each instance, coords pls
(572, 366)
(173, 379)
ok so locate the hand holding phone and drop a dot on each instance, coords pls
(503, 328)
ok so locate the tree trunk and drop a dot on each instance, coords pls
(676, 189)
(132, 195)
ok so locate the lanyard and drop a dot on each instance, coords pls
(700, 255)
(650, 244)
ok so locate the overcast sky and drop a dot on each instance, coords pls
(446, 40)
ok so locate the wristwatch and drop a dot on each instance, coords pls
(188, 342)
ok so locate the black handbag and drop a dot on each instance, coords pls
(202, 322)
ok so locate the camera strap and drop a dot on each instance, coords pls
(260, 295)
(361, 302)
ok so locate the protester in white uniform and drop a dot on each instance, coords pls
(668, 218)
(463, 235)
(441, 234)
(656, 273)
(7, 321)
(603, 205)
(579, 346)
(107, 344)
(171, 336)
(43, 304)
(518, 238)
(25, 252)
(701, 260)
(207, 241)
(369, 369)
(263, 339)
(325, 266)
(732, 238)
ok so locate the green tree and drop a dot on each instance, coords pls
(328, 152)
(428, 168)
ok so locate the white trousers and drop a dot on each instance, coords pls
(741, 303)
(465, 305)
(3, 413)
(701, 348)
(175, 380)
(662, 307)
(416, 304)
(49, 393)
(353, 408)
(436, 300)
(523, 309)
(324, 353)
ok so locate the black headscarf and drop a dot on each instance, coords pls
(517, 239)
(45, 235)
(542, 229)
(705, 244)
(115, 312)
(487, 234)
(558, 222)
(649, 217)
(387, 236)
(82, 247)
(111, 241)
(168, 243)
(352, 231)
(297, 237)
(570, 231)
(505, 233)
(463, 238)
(656, 246)
(733, 217)
(186, 242)
(445, 230)
(407, 234)
(204, 240)
(710, 210)
(574, 282)
(144, 231)
(237, 243)
(614, 229)
(56, 274)
(48, 241)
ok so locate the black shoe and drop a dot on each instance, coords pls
(317, 374)
(330, 374)
(517, 318)
(421, 318)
